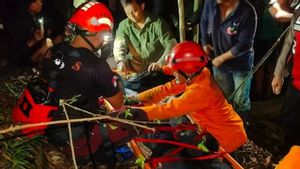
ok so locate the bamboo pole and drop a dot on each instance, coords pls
(231, 160)
(196, 30)
(138, 152)
(181, 20)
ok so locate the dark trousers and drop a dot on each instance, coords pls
(290, 117)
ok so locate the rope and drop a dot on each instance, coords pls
(259, 64)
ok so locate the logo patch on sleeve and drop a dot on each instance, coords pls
(115, 81)
(232, 30)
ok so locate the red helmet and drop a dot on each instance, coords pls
(93, 17)
(188, 57)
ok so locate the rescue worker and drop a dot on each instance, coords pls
(201, 98)
(73, 70)
(291, 160)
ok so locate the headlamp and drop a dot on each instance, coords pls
(107, 37)
(41, 22)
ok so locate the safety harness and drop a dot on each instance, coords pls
(170, 157)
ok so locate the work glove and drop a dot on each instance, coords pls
(132, 100)
(134, 114)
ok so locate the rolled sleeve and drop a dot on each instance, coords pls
(281, 65)
(120, 49)
(167, 39)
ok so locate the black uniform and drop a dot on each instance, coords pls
(77, 72)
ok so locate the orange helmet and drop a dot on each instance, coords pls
(93, 17)
(188, 57)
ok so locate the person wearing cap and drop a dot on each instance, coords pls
(200, 97)
(72, 70)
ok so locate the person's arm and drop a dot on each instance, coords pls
(158, 93)
(218, 61)
(121, 47)
(193, 100)
(279, 14)
(204, 25)
(167, 39)
(280, 69)
(285, 50)
(117, 101)
(108, 85)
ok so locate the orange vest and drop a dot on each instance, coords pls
(291, 160)
(204, 102)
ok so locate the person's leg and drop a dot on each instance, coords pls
(224, 80)
(290, 118)
(242, 97)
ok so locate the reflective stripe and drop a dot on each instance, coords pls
(105, 21)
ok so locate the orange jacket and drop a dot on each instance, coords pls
(291, 160)
(204, 101)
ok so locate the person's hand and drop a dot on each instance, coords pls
(130, 114)
(38, 35)
(277, 83)
(121, 67)
(38, 55)
(154, 67)
(208, 49)
(218, 61)
(132, 100)
(127, 75)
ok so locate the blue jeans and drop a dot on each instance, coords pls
(229, 81)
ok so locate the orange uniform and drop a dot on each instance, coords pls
(204, 101)
(291, 160)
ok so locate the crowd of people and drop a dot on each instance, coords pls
(68, 54)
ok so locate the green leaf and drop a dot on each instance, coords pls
(140, 162)
(128, 113)
(112, 127)
(202, 147)
(158, 121)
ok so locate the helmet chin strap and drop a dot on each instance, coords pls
(188, 79)
(94, 49)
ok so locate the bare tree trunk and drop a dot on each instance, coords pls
(181, 20)
(196, 30)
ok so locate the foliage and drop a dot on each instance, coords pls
(10, 91)
(202, 146)
(140, 162)
(20, 153)
(128, 113)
